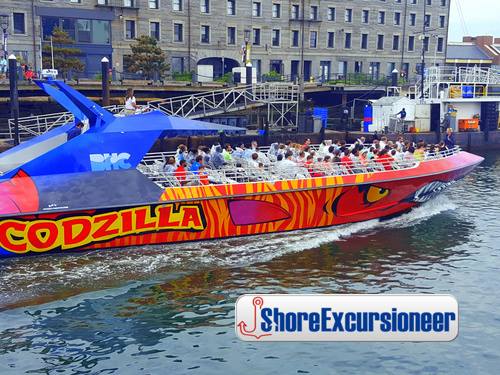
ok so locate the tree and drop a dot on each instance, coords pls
(148, 58)
(65, 58)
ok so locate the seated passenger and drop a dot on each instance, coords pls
(420, 152)
(346, 161)
(75, 131)
(385, 159)
(217, 158)
(203, 176)
(196, 164)
(169, 167)
(228, 150)
(253, 163)
(180, 172)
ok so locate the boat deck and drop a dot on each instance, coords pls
(242, 170)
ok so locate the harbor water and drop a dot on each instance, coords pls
(170, 309)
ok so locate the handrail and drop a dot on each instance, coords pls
(272, 171)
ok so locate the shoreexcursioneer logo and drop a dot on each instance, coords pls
(343, 317)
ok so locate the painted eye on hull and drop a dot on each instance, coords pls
(375, 193)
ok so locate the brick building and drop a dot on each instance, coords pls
(328, 38)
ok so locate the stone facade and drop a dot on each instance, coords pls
(340, 36)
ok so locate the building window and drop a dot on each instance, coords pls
(395, 43)
(331, 14)
(411, 43)
(429, 2)
(276, 10)
(380, 42)
(19, 23)
(84, 34)
(154, 30)
(276, 38)
(426, 44)
(313, 13)
(256, 9)
(414, 2)
(381, 17)
(313, 39)
(397, 18)
(364, 41)
(413, 19)
(331, 39)
(154, 4)
(129, 29)
(178, 32)
(231, 35)
(295, 12)
(101, 32)
(365, 16)
(440, 44)
(256, 37)
(347, 40)
(205, 6)
(205, 34)
(177, 65)
(348, 15)
(295, 38)
(129, 3)
(177, 5)
(427, 20)
(443, 3)
(442, 21)
(231, 7)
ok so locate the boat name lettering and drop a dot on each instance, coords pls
(43, 235)
(108, 162)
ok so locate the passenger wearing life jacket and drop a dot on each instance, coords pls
(346, 161)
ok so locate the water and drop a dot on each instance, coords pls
(151, 311)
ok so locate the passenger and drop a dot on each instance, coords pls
(346, 161)
(203, 176)
(336, 157)
(306, 144)
(442, 147)
(181, 153)
(75, 131)
(383, 142)
(228, 150)
(130, 102)
(180, 172)
(420, 152)
(195, 166)
(409, 155)
(191, 156)
(254, 146)
(239, 151)
(253, 163)
(273, 150)
(247, 154)
(385, 160)
(301, 159)
(449, 139)
(169, 167)
(370, 155)
(217, 158)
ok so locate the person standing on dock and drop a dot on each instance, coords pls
(449, 139)
(3, 67)
(130, 102)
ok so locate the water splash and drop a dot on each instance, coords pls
(40, 279)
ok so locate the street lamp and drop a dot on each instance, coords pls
(4, 25)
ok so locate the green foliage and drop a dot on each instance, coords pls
(226, 78)
(65, 57)
(182, 77)
(272, 76)
(148, 58)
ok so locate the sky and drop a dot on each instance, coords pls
(480, 17)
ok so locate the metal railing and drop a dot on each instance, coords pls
(32, 126)
(188, 106)
(243, 170)
(227, 100)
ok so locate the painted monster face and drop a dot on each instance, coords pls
(361, 199)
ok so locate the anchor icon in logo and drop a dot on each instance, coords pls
(257, 302)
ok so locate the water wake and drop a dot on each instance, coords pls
(45, 278)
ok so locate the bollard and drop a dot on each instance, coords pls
(105, 81)
(14, 96)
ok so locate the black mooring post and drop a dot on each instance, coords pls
(14, 96)
(105, 81)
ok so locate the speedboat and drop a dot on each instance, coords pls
(101, 190)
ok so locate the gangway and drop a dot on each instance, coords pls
(281, 99)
